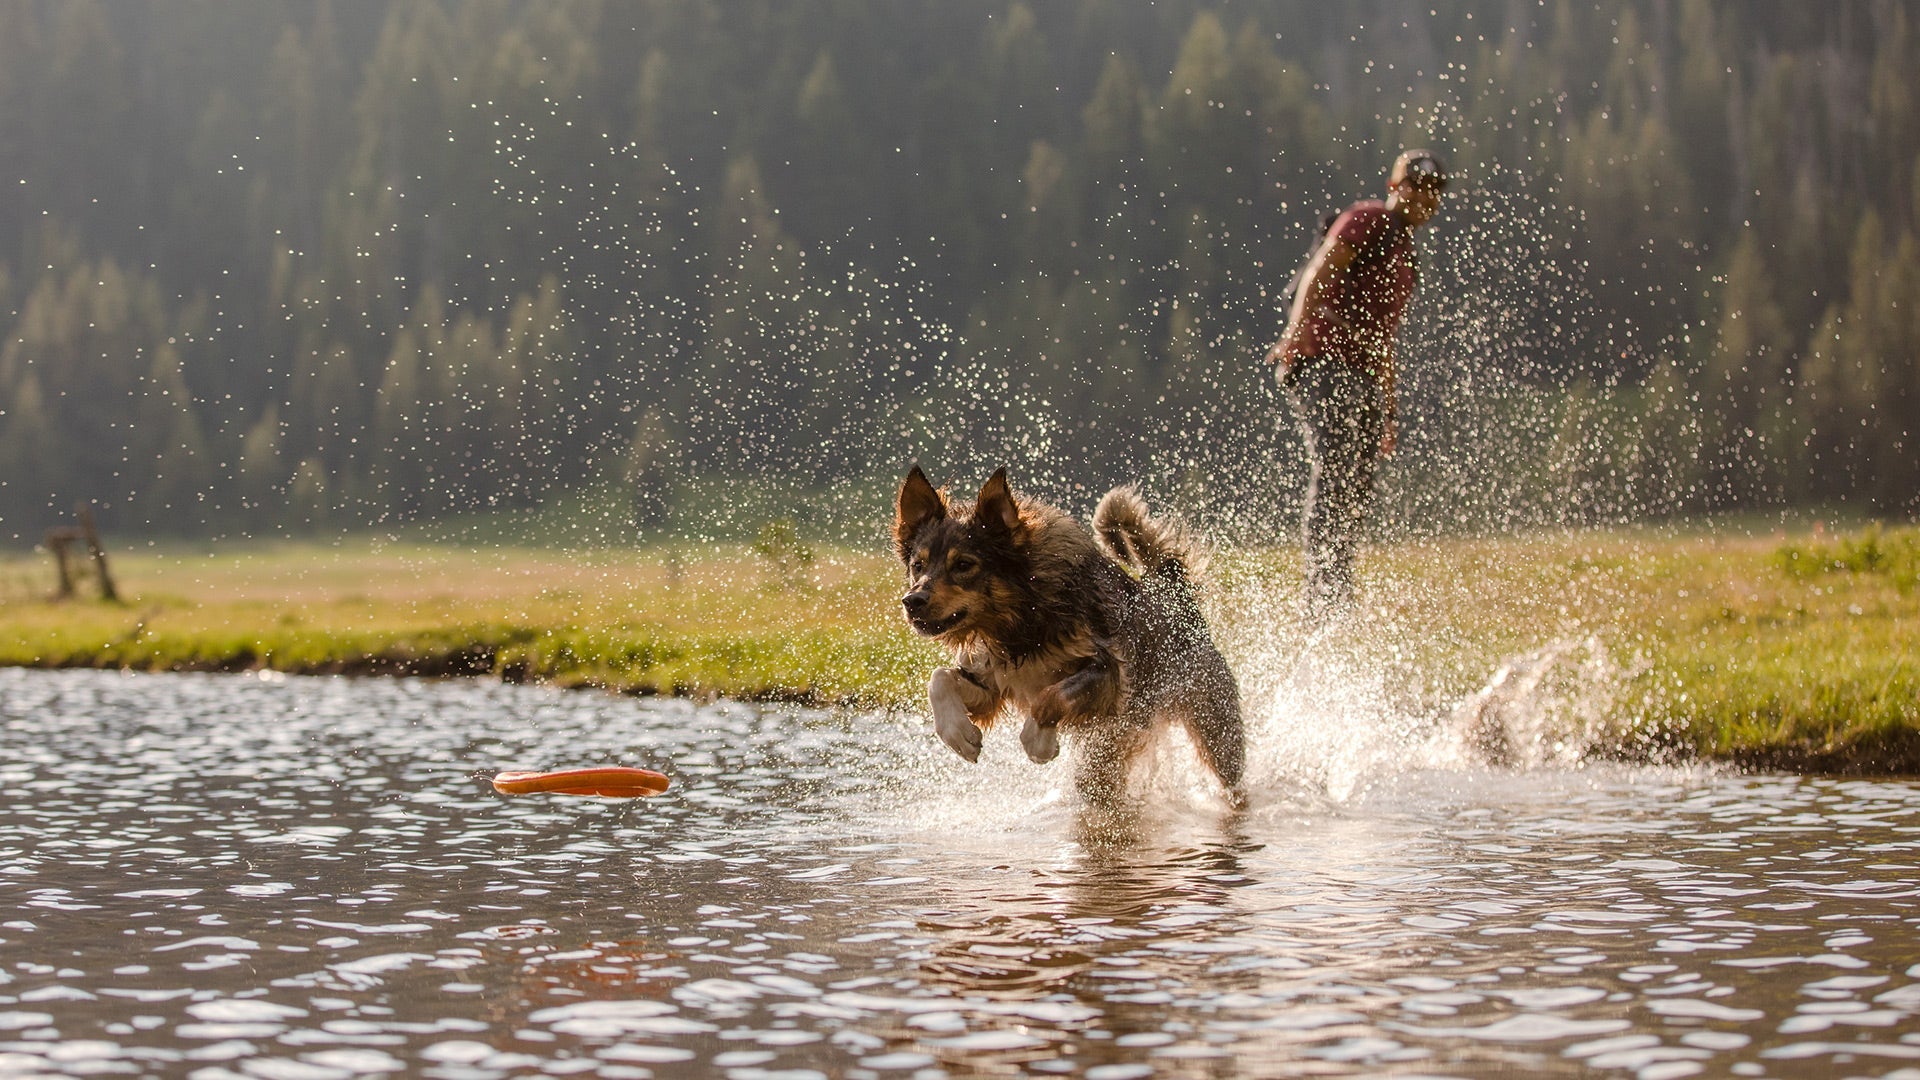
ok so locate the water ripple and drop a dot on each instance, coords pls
(230, 876)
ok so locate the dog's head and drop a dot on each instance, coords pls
(963, 562)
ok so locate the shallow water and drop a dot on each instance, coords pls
(219, 875)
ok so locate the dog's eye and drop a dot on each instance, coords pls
(917, 565)
(965, 564)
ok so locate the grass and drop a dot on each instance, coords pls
(1768, 650)
(1763, 650)
(713, 621)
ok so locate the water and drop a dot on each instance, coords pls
(217, 876)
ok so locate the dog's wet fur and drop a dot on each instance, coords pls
(1097, 635)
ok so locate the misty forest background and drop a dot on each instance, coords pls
(673, 267)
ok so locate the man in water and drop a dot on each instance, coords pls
(1336, 365)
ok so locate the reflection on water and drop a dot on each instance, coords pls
(225, 876)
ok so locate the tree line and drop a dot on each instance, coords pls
(299, 264)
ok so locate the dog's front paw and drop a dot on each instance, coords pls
(958, 732)
(947, 694)
(1042, 743)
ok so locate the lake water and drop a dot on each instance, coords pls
(235, 876)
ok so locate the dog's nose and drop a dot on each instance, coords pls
(915, 602)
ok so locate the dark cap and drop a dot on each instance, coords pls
(1421, 168)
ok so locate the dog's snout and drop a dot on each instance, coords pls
(915, 602)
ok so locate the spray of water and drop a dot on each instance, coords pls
(820, 368)
(1507, 424)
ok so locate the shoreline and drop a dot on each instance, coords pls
(1765, 653)
(1897, 756)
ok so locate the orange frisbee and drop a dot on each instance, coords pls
(611, 781)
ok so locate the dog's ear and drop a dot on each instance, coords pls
(995, 507)
(917, 505)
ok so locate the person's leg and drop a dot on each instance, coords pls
(1311, 389)
(1342, 419)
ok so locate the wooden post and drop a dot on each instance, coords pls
(107, 591)
(57, 540)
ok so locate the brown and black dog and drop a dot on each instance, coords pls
(1044, 617)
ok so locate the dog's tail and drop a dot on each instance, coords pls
(1135, 538)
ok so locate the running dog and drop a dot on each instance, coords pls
(1096, 634)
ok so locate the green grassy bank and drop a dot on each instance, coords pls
(1795, 652)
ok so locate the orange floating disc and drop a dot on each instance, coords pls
(612, 781)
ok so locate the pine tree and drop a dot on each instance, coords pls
(31, 487)
(1748, 382)
(259, 473)
(310, 499)
(169, 464)
(646, 472)
(399, 417)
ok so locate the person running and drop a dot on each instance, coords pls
(1335, 364)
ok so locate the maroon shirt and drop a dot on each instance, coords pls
(1371, 296)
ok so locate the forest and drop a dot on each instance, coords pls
(279, 267)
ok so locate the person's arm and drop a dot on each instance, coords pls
(1329, 265)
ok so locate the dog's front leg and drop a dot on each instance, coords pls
(1092, 690)
(1042, 744)
(956, 700)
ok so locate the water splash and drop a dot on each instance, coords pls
(1398, 687)
(1551, 706)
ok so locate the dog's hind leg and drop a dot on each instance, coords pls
(1218, 732)
(1103, 757)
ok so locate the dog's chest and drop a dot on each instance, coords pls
(1022, 683)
